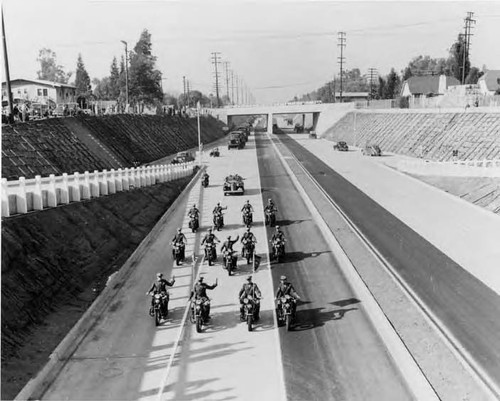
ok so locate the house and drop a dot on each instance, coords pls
(489, 83)
(351, 96)
(38, 91)
(427, 86)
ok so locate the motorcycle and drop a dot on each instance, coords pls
(247, 218)
(218, 221)
(278, 252)
(285, 311)
(210, 254)
(205, 181)
(270, 218)
(194, 223)
(177, 250)
(248, 250)
(199, 313)
(229, 261)
(159, 307)
(250, 313)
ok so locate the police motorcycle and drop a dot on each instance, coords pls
(205, 180)
(229, 261)
(247, 218)
(270, 215)
(248, 249)
(278, 249)
(199, 313)
(285, 311)
(218, 221)
(178, 252)
(210, 253)
(194, 223)
(250, 310)
(159, 307)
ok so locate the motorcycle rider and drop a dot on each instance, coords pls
(247, 238)
(199, 291)
(247, 208)
(180, 240)
(270, 208)
(205, 177)
(210, 239)
(160, 286)
(218, 211)
(286, 288)
(278, 235)
(194, 212)
(228, 246)
(250, 288)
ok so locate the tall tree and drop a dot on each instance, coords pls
(49, 69)
(145, 80)
(381, 87)
(473, 76)
(102, 88)
(393, 85)
(82, 79)
(456, 59)
(425, 65)
(114, 80)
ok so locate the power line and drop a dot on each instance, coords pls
(468, 21)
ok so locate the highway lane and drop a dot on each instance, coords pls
(467, 307)
(334, 352)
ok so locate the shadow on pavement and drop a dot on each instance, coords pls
(291, 257)
(312, 318)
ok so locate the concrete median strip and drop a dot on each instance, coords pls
(410, 371)
(36, 387)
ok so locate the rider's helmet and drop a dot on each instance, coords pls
(228, 237)
(277, 228)
(179, 230)
(283, 278)
(200, 279)
(248, 201)
(248, 229)
(209, 230)
(249, 278)
(194, 206)
(218, 203)
(159, 275)
(269, 200)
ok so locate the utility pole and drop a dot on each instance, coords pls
(373, 75)
(237, 91)
(215, 62)
(468, 21)
(188, 94)
(341, 39)
(226, 65)
(7, 73)
(232, 87)
(184, 86)
(126, 75)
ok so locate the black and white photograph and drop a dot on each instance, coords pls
(250, 200)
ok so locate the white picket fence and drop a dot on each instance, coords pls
(26, 195)
(459, 168)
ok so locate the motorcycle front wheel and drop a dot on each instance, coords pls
(157, 317)
(249, 322)
(288, 321)
(198, 324)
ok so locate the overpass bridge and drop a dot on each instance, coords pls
(325, 115)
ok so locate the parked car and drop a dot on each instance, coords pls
(182, 157)
(233, 185)
(371, 150)
(341, 146)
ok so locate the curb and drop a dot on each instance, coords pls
(36, 387)
(410, 371)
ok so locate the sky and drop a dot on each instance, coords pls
(278, 48)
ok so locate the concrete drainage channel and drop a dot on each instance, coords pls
(465, 381)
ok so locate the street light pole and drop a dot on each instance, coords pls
(126, 75)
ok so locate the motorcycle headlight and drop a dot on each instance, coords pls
(198, 302)
(198, 307)
(157, 296)
(245, 301)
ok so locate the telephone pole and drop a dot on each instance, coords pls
(468, 21)
(341, 39)
(226, 65)
(126, 75)
(215, 62)
(232, 87)
(373, 75)
(188, 94)
(237, 91)
(184, 86)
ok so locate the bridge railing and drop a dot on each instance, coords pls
(25, 195)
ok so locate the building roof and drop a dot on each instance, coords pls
(491, 79)
(428, 84)
(42, 82)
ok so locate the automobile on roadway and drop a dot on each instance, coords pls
(341, 146)
(233, 185)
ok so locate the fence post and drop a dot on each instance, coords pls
(21, 202)
(104, 185)
(51, 192)
(119, 180)
(147, 175)
(5, 198)
(126, 182)
(95, 190)
(112, 182)
(77, 195)
(65, 189)
(37, 194)
(87, 187)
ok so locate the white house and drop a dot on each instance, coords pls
(39, 91)
(489, 83)
(431, 85)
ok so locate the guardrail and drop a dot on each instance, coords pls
(26, 195)
(457, 168)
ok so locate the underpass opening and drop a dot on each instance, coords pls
(294, 123)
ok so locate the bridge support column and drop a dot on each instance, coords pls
(270, 123)
(315, 120)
